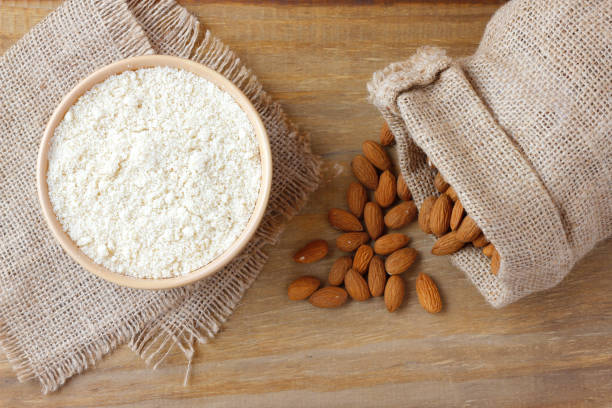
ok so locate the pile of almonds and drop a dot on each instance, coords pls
(368, 270)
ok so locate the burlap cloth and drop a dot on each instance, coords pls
(522, 131)
(56, 319)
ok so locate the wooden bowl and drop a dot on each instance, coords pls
(135, 63)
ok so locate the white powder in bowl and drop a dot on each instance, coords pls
(155, 172)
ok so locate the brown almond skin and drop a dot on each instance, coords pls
(376, 154)
(356, 286)
(377, 276)
(456, 215)
(356, 198)
(480, 241)
(440, 184)
(312, 252)
(403, 192)
(339, 269)
(386, 136)
(395, 290)
(373, 219)
(362, 258)
(425, 212)
(386, 190)
(428, 294)
(350, 241)
(450, 191)
(439, 217)
(329, 297)
(468, 230)
(495, 262)
(343, 220)
(488, 250)
(365, 172)
(447, 244)
(389, 243)
(400, 260)
(401, 215)
(303, 287)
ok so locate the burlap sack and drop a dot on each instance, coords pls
(522, 131)
(56, 319)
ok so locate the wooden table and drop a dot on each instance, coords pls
(552, 349)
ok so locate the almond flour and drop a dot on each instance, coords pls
(155, 172)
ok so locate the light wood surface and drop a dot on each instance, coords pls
(552, 349)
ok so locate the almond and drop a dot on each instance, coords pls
(356, 198)
(440, 184)
(400, 260)
(303, 287)
(488, 250)
(365, 172)
(480, 241)
(395, 289)
(362, 258)
(402, 189)
(451, 193)
(428, 294)
(495, 262)
(386, 136)
(376, 154)
(373, 219)
(339, 269)
(447, 244)
(356, 286)
(400, 215)
(385, 192)
(468, 230)
(312, 252)
(456, 215)
(350, 241)
(328, 297)
(439, 218)
(424, 214)
(377, 276)
(390, 243)
(430, 164)
(343, 220)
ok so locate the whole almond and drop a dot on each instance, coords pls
(450, 191)
(343, 220)
(440, 184)
(395, 289)
(385, 192)
(386, 137)
(303, 287)
(430, 164)
(350, 241)
(356, 286)
(480, 241)
(365, 172)
(402, 189)
(428, 294)
(356, 198)
(425, 212)
(439, 218)
(488, 250)
(400, 215)
(312, 252)
(339, 269)
(390, 243)
(495, 262)
(377, 276)
(376, 154)
(456, 215)
(468, 230)
(362, 258)
(373, 219)
(447, 244)
(328, 297)
(400, 260)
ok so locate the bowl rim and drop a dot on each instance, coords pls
(134, 63)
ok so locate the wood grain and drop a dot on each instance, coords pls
(549, 350)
